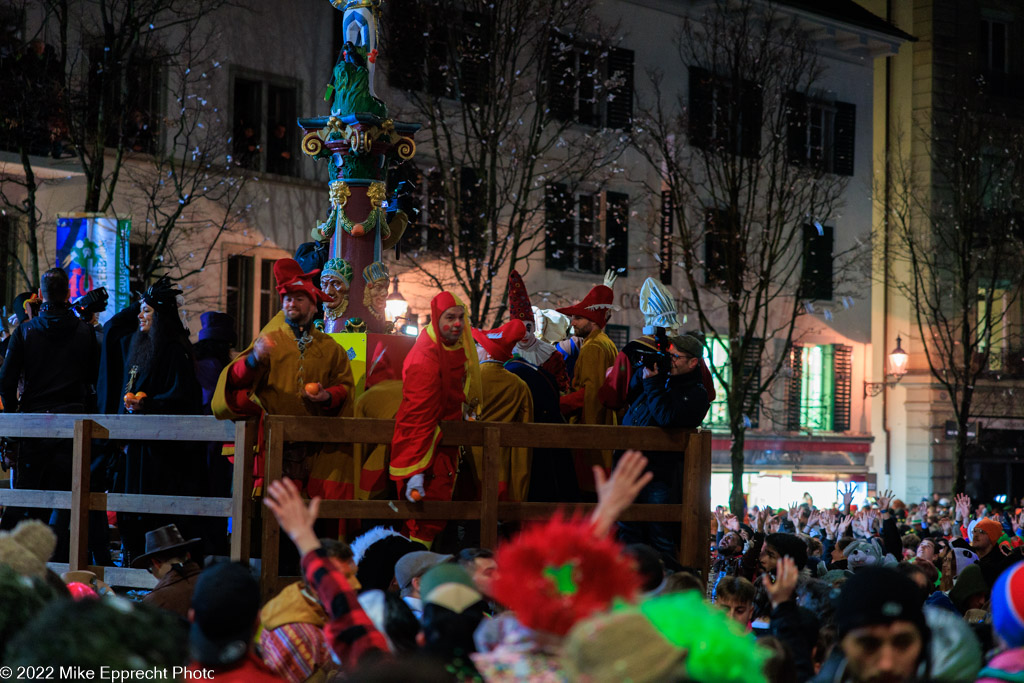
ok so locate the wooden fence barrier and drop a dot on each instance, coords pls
(694, 513)
(80, 500)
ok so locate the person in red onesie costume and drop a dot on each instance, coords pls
(441, 373)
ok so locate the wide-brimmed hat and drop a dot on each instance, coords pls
(162, 540)
(595, 307)
(500, 341)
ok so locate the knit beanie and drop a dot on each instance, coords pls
(992, 529)
(1008, 606)
(969, 582)
(789, 545)
(878, 595)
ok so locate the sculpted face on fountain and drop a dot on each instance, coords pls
(337, 289)
(375, 297)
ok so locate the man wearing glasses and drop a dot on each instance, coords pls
(676, 399)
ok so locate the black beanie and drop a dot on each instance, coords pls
(788, 544)
(878, 595)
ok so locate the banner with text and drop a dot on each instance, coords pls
(93, 250)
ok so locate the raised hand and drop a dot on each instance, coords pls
(262, 347)
(848, 492)
(794, 512)
(884, 499)
(786, 575)
(617, 492)
(732, 523)
(720, 517)
(832, 525)
(814, 519)
(292, 513)
(963, 507)
(760, 519)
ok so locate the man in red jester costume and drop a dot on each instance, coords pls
(441, 373)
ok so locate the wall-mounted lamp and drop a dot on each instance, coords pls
(395, 306)
(898, 360)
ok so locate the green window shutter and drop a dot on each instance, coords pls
(826, 405)
(842, 377)
(794, 388)
(752, 374)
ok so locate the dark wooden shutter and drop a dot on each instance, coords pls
(472, 230)
(794, 390)
(405, 45)
(752, 373)
(796, 128)
(617, 232)
(750, 119)
(843, 137)
(439, 60)
(561, 78)
(816, 276)
(474, 56)
(699, 113)
(842, 372)
(557, 226)
(620, 106)
(437, 210)
(714, 246)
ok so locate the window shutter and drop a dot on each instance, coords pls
(752, 373)
(617, 232)
(700, 114)
(471, 222)
(438, 60)
(794, 390)
(843, 138)
(620, 106)
(557, 226)
(842, 373)
(816, 276)
(750, 119)
(437, 207)
(474, 57)
(796, 127)
(407, 46)
(714, 247)
(561, 80)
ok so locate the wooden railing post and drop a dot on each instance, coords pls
(273, 467)
(489, 493)
(81, 460)
(241, 490)
(693, 548)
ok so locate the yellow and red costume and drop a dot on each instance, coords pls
(583, 405)
(381, 400)
(437, 379)
(507, 398)
(247, 388)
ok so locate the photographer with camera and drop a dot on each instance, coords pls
(53, 358)
(669, 392)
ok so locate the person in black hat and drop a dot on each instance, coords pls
(883, 635)
(159, 378)
(53, 358)
(225, 604)
(167, 557)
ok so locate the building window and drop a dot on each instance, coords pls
(239, 292)
(819, 388)
(724, 114)
(421, 197)
(590, 84)
(130, 96)
(716, 356)
(265, 136)
(588, 233)
(820, 134)
(717, 237)
(816, 275)
(993, 47)
(619, 334)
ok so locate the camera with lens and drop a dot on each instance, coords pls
(93, 301)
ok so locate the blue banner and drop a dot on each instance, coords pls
(93, 251)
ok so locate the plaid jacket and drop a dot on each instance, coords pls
(349, 632)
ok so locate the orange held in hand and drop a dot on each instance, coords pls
(141, 395)
(129, 397)
(313, 388)
(415, 495)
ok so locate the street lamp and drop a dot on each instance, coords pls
(898, 360)
(395, 306)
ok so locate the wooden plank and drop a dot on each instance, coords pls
(113, 576)
(81, 459)
(241, 489)
(696, 517)
(388, 509)
(193, 506)
(32, 498)
(273, 464)
(152, 427)
(489, 495)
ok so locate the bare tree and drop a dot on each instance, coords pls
(104, 71)
(744, 183)
(959, 239)
(499, 86)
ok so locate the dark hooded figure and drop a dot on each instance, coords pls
(159, 378)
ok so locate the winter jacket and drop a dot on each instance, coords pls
(673, 401)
